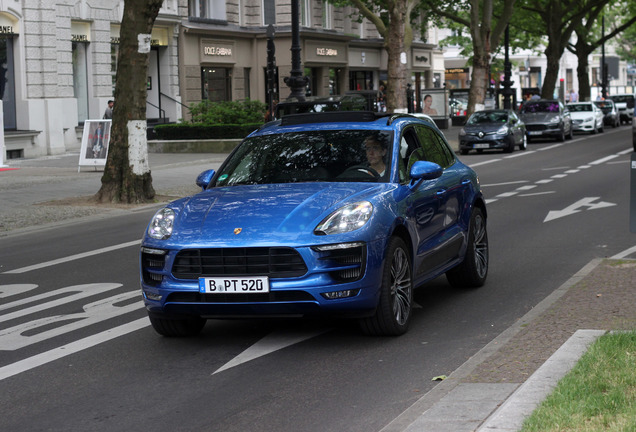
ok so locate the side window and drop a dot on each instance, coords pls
(434, 147)
(410, 152)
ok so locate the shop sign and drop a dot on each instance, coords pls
(8, 24)
(421, 58)
(80, 31)
(218, 51)
(329, 52)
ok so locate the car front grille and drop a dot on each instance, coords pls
(271, 297)
(274, 262)
(536, 127)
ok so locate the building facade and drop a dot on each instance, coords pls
(58, 64)
(58, 60)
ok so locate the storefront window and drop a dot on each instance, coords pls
(216, 84)
(7, 82)
(360, 80)
(269, 12)
(334, 87)
(211, 9)
(80, 80)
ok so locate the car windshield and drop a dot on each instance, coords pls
(580, 107)
(309, 156)
(488, 117)
(604, 106)
(539, 107)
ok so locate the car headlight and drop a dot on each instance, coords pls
(554, 120)
(588, 119)
(462, 132)
(162, 223)
(345, 219)
(502, 130)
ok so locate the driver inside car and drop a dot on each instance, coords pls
(376, 152)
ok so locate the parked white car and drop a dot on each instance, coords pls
(586, 117)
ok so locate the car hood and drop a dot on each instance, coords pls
(580, 115)
(484, 127)
(540, 117)
(263, 213)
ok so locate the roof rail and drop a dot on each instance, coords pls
(330, 116)
(396, 116)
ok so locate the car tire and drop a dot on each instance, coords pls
(561, 137)
(473, 270)
(524, 143)
(464, 152)
(602, 129)
(571, 134)
(511, 145)
(393, 314)
(170, 327)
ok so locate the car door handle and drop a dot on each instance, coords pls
(466, 182)
(440, 193)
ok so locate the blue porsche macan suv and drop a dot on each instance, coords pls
(336, 213)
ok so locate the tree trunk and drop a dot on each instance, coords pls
(397, 57)
(553, 55)
(585, 93)
(127, 176)
(479, 82)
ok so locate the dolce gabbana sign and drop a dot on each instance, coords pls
(217, 51)
(320, 51)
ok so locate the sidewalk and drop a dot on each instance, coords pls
(493, 391)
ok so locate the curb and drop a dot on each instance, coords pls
(450, 394)
(509, 417)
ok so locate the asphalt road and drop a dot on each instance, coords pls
(85, 358)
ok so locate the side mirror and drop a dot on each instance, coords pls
(204, 179)
(424, 170)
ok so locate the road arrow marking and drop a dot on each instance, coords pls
(270, 343)
(577, 207)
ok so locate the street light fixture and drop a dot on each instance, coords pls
(296, 81)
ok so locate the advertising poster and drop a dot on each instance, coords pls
(95, 140)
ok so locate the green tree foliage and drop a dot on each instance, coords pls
(485, 21)
(394, 21)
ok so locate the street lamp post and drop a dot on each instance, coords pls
(507, 91)
(296, 81)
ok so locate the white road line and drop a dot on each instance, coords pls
(527, 187)
(625, 253)
(486, 162)
(605, 159)
(537, 193)
(545, 181)
(71, 348)
(72, 257)
(504, 184)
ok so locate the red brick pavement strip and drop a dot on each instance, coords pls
(605, 299)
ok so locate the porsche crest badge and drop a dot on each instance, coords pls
(238, 230)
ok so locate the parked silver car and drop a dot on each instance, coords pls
(586, 117)
(546, 118)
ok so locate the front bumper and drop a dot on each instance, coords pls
(583, 126)
(488, 141)
(300, 295)
(540, 130)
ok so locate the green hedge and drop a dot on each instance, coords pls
(184, 131)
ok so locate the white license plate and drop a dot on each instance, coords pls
(481, 146)
(238, 285)
(534, 132)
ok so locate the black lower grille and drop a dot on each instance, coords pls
(274, 296)
(536, 127)
(275, 262)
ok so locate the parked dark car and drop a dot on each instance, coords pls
(493, 129)
(610, 113)
(634, 134)
(546, 118)
(317, 104)
(625, 106)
